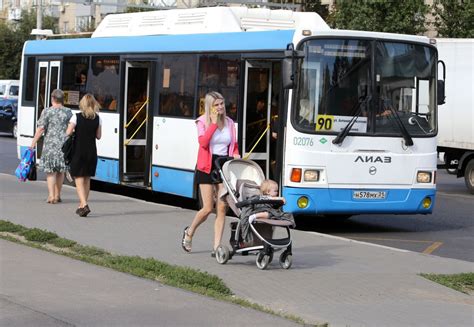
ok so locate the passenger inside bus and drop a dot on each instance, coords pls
(256, 122)
(82, 79)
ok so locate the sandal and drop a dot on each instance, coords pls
(186, 244)
(51, 201)
(83, 212)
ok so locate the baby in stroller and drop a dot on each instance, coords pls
(254, 201)
(260, 208)
(269, 191)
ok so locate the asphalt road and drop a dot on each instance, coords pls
(448, 232)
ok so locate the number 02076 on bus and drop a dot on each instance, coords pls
(369, 195)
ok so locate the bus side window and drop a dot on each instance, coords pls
(220, 73)
(178, 87)
(73, 86)
(103, 81)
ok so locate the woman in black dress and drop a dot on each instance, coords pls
(87, 128)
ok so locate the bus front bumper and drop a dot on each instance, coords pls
(343, 201)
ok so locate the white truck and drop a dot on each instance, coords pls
(456, 116)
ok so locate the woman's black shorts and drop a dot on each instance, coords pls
(213, 178)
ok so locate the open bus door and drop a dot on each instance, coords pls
(136, 156)
(48, 81)
(257, 113)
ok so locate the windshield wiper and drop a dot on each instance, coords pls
(406, 135)
(358, 107)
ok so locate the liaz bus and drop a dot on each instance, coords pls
(345, 121)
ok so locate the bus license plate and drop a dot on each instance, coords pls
(369, 195)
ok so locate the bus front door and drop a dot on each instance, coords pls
(48, 81)
(136, 155)
(257, 107)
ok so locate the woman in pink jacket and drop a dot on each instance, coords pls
(217, 138)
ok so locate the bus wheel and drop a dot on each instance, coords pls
(469, 176)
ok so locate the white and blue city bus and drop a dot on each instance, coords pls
(345, 121)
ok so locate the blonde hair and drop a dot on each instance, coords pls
(89, 106)
(266, 185)
(209, 100)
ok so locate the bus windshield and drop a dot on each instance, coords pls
(389, 86)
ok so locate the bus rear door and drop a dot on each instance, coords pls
(257, 113)
(136, 115)
(48, 80)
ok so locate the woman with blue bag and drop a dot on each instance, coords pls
(53, 123)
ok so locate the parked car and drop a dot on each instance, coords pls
(9, 88)
(8, 116)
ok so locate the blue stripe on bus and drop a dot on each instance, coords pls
(107, 170)
(334, 201)
(173, 181)
(238, 41)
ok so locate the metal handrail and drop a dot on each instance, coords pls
(127, 142)
(256, 143)
(136, 114)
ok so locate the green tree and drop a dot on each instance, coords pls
(12, 37)
(407, 17)
(454, 18)
(317, 7)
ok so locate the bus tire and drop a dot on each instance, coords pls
(469, 176)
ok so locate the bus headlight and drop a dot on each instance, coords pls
(423, 177)
(311, 175)
(302, 202)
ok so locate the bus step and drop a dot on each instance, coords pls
(133, 177)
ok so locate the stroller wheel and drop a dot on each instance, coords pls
(286, 259)
(263, 260)
(222, 254)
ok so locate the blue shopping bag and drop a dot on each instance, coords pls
(26, 165)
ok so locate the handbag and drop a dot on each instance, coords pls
(32, 173)
(68, 149)
(27, 162)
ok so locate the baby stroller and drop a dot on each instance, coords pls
(241, 179)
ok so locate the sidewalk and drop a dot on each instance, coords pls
(342, 282)
(39, 288)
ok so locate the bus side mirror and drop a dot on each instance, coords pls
(288, 77)
(441, 97)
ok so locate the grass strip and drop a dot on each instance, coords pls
(460, 282)
(182, 277)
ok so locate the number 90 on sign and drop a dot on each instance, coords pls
(324, 122)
